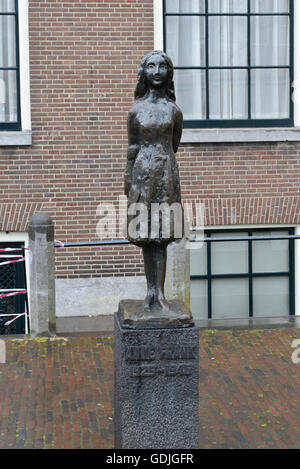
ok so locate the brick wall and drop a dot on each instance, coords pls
(256, 183)
(84, 57)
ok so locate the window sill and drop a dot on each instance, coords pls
(275, 134)
(16, 139)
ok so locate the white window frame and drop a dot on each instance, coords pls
(272, 134)
(22, 137)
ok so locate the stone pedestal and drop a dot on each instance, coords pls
(156, 388)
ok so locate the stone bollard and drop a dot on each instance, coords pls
(177, 284)
(42, 275)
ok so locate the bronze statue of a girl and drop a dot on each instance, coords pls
(152, 178)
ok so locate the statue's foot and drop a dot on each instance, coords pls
(148, 302)
(156, 303)
(163, 302)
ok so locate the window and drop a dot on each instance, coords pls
(242, 279)
(15, 115)
(233, 61)
(10, 112)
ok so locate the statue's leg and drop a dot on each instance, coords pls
(155, 262)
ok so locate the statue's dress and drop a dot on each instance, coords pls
(154, 170)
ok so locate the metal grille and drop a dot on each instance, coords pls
(12, 276)
(7, 305)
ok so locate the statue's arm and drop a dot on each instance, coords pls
(177, 130)
(132, 151)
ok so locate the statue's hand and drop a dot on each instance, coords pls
(132, 152)
(126, 187)
(128, 176)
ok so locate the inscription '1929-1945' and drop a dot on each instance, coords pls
(168, 370)
(148, 353)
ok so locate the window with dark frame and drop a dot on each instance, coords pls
(243, 279)
(10, 112)
(233, 61)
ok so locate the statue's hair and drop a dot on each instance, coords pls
(142, 85)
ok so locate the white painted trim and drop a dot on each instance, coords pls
(297, 273)
(246, 227)
(158, 24)
(24, 136)
(297, 63)
(24, 64)
(232, 135)
(15, 237)
(15, 138)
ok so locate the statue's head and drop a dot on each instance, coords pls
(145, 75)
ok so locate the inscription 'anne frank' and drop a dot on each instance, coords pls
(148, 353)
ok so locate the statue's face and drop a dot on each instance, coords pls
(156, 71)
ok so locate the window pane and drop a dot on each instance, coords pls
(199, 303)
(270, 256)
(191, 93)
(7, 6)
(270, 92)
(8, 96)
(8, 46)
(228, 94)
(269, 6)
(229, 257)
(227, 6)
(270, 297)
(270, 40)
(227, 41)
(185, 40)
(198, 260)
(185, 6)
(230, 298)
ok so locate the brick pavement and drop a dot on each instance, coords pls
(57, 393)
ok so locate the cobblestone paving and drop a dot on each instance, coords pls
(58, 393)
